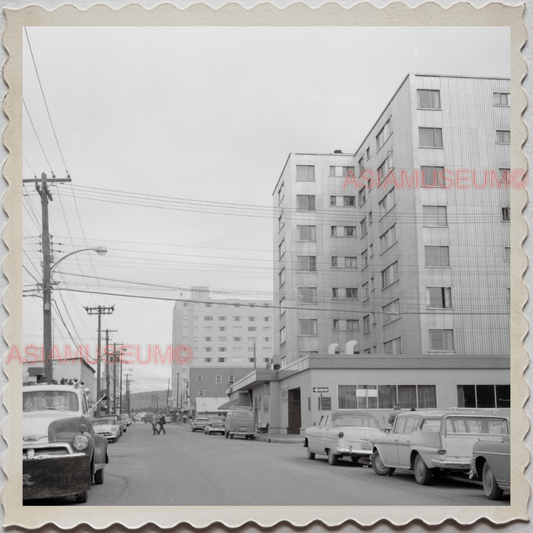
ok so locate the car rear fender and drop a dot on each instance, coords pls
(423, 453)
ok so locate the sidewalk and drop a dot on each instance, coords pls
(287, 439)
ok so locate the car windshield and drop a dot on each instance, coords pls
(478, 425)
(46, 400)
(102, 422)
(216, 420)
(200, 419)
(431, 424)
(356, 422)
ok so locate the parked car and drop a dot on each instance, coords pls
(118, 423)
(106, 427)
(433, 442)
(62, 454)
(239, 422)
(215, 424)
(342, 433)
(491, 462)
(199, 423)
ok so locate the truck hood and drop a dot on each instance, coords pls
(35, 424)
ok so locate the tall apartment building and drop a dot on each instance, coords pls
(392, 264)
(229, 334)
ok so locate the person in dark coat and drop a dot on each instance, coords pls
(162, 422)
(393, 415)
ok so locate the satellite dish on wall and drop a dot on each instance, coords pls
(350, 346)
(332, 348)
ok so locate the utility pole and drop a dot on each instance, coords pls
(168, 392)
(42, 188)
(255, 359)
(100, 310)
(128, 393)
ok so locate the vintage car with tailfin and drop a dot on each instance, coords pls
(62, 455)
(434, 443)
(340, 434)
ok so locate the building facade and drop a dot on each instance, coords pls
(392, 264)
(236, 335)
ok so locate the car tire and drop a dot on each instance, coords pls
(99, 477)
(379, 468)
(231, 435)
(422, 472)
(310, 454)
(490, 487)
(81, 498)
(332, 458)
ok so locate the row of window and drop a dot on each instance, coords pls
(236, 329)
(209, 318)
(237, 348)
(234, 360)
(235, 339)
(251, 305)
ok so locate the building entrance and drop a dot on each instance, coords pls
(295, 413)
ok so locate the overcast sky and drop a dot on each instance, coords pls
(174, 139)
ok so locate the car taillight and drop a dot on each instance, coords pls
(442, 452)
(341, 434)
(80, 443)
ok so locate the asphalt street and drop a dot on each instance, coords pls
(186, 468)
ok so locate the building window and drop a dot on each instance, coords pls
(252, 339)
(237, 339)
(387, 203)
(364, 259)
(282, 335)
(389, 275)
(281, 222)
(305, 202)
(364, 227)
(282, 277)
(437, 256)
(370, 218)
(336, 324)
(503, 136)
(267, 339)
(222, 339)
(200, 393)
(368, 153)
(371, 250)
(385, 396)
(231, 378)
(428, 99)
(305, 173)
(237, 349)
(282, 306)
(366, 294)
(207, 339)
(348, 201)
(388, 239)
(266, 318)
(237, 329)
(221, 348)
(342, 201)
(199, 378)
(218, 379)
(372, 284)
(252, 328)
(222, 318)
(208, 318)
(441, 340)
(435, 215)
(185, 304)
(433, 177)
(350, 262)
(281, 193)
(334, 263)
(440, 297)
(251, 318)
(307, 263)
(391, 312)
(502, 98)
(384, 134)
(506, 214)
(221, 359)
(484, 396)
(352, 325)
(343, 231)
(236, 360)
(221, 328)
(507, 254)
(393, 347)
(366, 324)
(430, 137)
(206, 328)
(208, 348)
(208, 359)
(307, 326)
(266, 328)
(307, 233)
(237, 318)
(281, 248)
(351, 293)
(307, 295)
(335, 292)
(362, 197)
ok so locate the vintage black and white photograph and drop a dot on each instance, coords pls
(266, 266)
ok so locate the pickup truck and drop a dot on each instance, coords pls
(62, 455)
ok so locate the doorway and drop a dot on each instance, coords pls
(295, 412)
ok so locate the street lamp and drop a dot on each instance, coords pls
(48, 268)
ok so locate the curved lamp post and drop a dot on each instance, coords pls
(48, 268)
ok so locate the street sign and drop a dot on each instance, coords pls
(320, 389)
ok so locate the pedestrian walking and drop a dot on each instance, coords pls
(394, 414)
(155, 420)
(162, 422)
